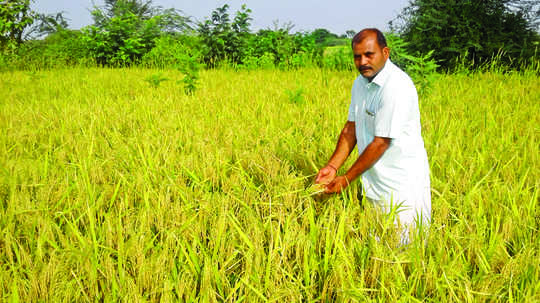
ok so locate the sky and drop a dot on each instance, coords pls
(337, 16)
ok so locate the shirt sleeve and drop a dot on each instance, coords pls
(352, 107)
(395, 111)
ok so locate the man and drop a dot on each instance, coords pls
(384, 122)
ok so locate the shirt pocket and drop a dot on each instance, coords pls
(369, 124)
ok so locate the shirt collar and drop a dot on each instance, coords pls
(383, 75)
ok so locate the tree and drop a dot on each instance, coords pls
(124, 30)
(47, 24)
(476, 31)
(529, 9)
(350, 33)
(322, 35)
(225, 39)
(113, 8)
(15, 17)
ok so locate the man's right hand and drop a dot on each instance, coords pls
(326, 175)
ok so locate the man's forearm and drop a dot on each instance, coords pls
(371, 154)
(346, 143)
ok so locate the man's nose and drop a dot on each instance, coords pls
(363, 60)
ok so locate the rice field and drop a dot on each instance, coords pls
(112, 189)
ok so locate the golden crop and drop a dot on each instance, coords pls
(112, 189)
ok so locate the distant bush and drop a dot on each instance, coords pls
(338, 41)
(60, 49)
(230, 41)
(266, 61)
(65, 48)
(189, 66)
(301, 59)
(475, 32)
(122, 40)
(124, 31)
(498, 35)
(170, 51)
(422, 68)
(155, 80)
(338, 58)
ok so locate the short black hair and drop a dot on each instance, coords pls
(381, 40)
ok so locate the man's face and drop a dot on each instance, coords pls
(369, 57)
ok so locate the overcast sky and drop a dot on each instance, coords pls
(337, 16)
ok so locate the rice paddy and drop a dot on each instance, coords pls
(112, 189)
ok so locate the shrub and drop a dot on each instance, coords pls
(124, 31)
(189, 66)
(421, 68)
(60, 49)
(475, 31)
(169, 51)
(338, 58)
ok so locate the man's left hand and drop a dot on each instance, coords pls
(337, 185)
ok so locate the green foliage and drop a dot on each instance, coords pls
(350, 33)
(421, 68)
(296, 96)
(278, 43)
(122, 40)
(47, 24)
(125, 30)
(337, 41)
(325, 38)
(232, 42)
(266, 61)
(189, 66)
(155, 80)
(128, 32)
(4, 62)
(338, 58)
(301, 59)
(322, 36)
(475, 31)
(183, 53)
(222, 39)
(18, 22)
(67, 47)
(60, 49)
(15, 17)
(305, 51)
(169, 51)
(286, 50)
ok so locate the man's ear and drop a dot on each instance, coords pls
(386, 52)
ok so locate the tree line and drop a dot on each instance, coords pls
(428, 34)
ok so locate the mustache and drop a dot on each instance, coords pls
(364, 68)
